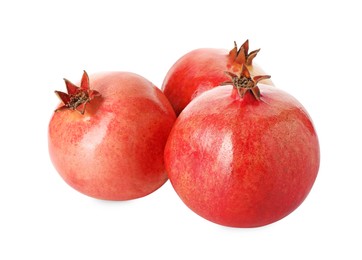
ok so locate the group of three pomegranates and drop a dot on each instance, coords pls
(238, 152)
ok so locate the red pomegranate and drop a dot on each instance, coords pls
(107, 138)
(203, 69)
(244, 154)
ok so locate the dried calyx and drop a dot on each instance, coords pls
(242, 56)
(77, 98)
(244, 82)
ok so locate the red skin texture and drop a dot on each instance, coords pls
(198, 71)
(240, 162)
(115, 150)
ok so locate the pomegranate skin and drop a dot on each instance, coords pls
(241, 162)
(198, 71)
(115, 150)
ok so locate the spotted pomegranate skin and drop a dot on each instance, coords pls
(203, 69)
(242, 162)
(115, 150)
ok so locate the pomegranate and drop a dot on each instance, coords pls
(107, 137)
(243, 155)
(203, 69)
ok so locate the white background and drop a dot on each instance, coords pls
(312, 49)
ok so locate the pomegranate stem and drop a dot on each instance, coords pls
(245, 83)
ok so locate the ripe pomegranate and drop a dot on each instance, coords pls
(244, 154)
(203, 69)
(107, 137)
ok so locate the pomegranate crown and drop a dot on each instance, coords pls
(76, 98)
(242, 55)
(245, 83)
